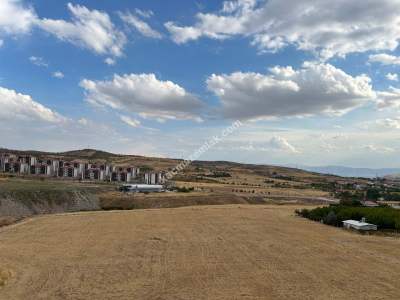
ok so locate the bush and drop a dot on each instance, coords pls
(373, 194)
(331, 219)
(392, 196)
(349, 195)
(397, 225)
(350, 202)
(303, 213)
(184, 189)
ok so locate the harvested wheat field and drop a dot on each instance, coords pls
(208, 252)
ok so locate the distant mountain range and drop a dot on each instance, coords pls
(353, 172)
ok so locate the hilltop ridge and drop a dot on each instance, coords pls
(160, 163)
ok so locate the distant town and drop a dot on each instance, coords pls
(77, 169)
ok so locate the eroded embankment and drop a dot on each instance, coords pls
(17, 204)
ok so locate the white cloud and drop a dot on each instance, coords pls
(280, 143)
(328, 28)
(38, 61)
(389, 98)
(181, 35)
(316, 88)
(379, 149)
(223, 26)
(110, 61)
(165, 117)
(276, 143)
(143, 94)
(130, 121)
(392, 77)
(91, 29)
(83, 121)
(140, 25)
(384, 59)
(19, 107)
(144, 13)
(15, 17)
(391, 123)
(58, 75)
(237, 6)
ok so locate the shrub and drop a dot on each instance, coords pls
(397, 225)
(350, 202)
(184, 189)
(303, 212)
(331, 219)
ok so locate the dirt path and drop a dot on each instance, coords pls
(210, 252)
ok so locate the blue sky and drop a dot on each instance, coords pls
(313, 83)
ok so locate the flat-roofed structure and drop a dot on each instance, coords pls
(141, 188)
(359, 225)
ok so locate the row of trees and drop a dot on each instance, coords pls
(383, 217)
(370, 194)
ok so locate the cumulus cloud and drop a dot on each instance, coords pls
(130, 121)
(58, 74)
(143, 94)
(91, 29)
(15, 17)
(181, 35)
(315, 88)
(389, 98)
(384, 59)
(328, 28)
(141, 26)
(392, 77)
(215, 26)
(19, 107)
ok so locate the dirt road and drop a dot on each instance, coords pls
(208, 252)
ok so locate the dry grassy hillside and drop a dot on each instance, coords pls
(218, 252)
(197, 168)
(251, 183)
(166, 163)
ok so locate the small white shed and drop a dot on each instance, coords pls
(359, 225)
(140, 188)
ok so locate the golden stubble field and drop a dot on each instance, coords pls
(207, 252)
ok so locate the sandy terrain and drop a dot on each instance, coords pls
(207, 252)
